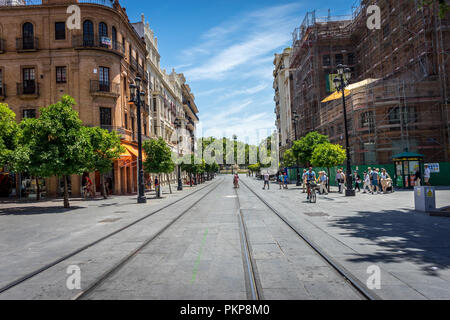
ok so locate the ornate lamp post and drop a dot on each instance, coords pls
(138, 95)
(296, 117)
(234, 154)
(340, 83)
(178, 124)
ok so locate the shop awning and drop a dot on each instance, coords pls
(134, 151)
(338, 95)
(125, 154)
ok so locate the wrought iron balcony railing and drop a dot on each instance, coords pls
(28, 87)
(104, 87)
(27, 44)
(94, 41)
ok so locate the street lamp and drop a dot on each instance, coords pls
(340, 83)
(178, 124)
(137, 94)
(296, 117)
(234, 153)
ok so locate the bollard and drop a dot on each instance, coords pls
(425, 199)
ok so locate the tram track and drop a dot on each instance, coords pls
(56, 262)
(359, 287)
(111, 271)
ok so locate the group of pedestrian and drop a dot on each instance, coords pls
(426, 174)
(283, 180)
(377, 181)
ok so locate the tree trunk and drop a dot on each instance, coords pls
(38, 189)
(168, 180)
(102, 177)
(66, 193)
(158, 192)
(329, 179)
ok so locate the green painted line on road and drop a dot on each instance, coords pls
(197, 263)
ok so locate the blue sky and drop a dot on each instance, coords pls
(226, 51)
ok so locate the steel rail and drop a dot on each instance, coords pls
(353, 281)
(79, 250)
(126, 259)
(255, 290)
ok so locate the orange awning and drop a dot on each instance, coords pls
(134, 151)
(125, 154)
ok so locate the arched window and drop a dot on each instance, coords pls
(88, 33)
(114, 38)
(102, 32)
(28, 35)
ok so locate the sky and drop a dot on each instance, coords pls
(226, 50)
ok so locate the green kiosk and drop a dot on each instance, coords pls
(406, 166)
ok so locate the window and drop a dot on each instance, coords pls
(104, 79)
(29, 113)
(88, 33)
(339, 59)
(102, 33)
(28, 36)
(126, 121)
(132, 126)
(105, 118)
(394, 115)
(114, 38)
(61, 75)
(145, 128)
(367, 120)
(60, 31)
(350, 59)
(29, 84)
(154, 104)
(326, 60)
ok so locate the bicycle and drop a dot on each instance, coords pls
(312, 192)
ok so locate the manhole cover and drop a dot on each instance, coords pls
(316, 214)
(109, 220)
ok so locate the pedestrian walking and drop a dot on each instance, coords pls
(367, 183)
(340, 180)
(385, 180)
(418, 178)
(266, 181)
(427, 175)
(374, 181)
(280, 180)
(304, 181)
(285, 178)
(323, 179)
(357, 178)
(236, 181)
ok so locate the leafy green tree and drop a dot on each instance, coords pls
(9, 134)
(289, 159)
(444, 8)
(304, 148)
(60, 145)
(26, 156)
(159, 158)
(328, 155)
(106, 148)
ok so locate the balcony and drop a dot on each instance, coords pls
(99, 43)
(28, 89)
(29, 44)
(133, 64)
(104, 89)
(2, 92)
(141, 71)
(2, 46)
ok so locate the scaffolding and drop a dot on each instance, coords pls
(407, 108)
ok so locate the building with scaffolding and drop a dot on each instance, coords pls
(401, 101)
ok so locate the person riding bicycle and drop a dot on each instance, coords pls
(236, 181)
(310, 178)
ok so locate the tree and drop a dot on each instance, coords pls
(26, 156)
(159, 158)
(289, 159)
(304, 148)
(60, 145)
(444, 8)
(106, 148)
(9, 134)
(328, 155)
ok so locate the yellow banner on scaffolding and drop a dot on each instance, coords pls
(336, 95)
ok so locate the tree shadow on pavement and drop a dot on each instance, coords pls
(403, 235)
(34, 210)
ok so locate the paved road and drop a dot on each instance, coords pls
(200, 256)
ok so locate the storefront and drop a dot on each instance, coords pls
(406, 166)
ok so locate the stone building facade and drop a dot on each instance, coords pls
(41, 59)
